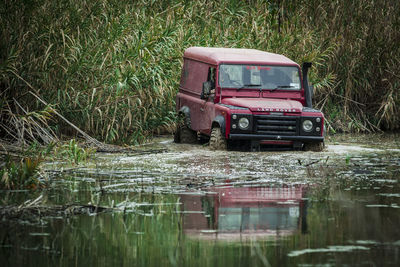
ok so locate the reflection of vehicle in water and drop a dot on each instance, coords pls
(246, 212)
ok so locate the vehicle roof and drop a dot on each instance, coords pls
(217, 55)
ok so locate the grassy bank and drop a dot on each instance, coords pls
(112, 67)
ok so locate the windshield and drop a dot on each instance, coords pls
(259, 76)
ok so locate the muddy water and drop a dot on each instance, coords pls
(184, 205)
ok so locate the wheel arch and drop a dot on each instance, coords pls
(185, 111)
(219, 121)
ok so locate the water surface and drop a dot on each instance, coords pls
(184, 205)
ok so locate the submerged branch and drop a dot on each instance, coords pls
(33, 212)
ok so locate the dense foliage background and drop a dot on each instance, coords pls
(112, 67)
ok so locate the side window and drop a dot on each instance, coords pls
(211, 77)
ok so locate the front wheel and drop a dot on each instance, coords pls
(316, 147)
(217, 140)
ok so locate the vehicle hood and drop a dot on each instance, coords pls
(265, 104)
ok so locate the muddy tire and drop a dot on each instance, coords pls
(316, 147)
(185, 135)
(217, 140)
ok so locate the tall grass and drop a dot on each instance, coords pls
(113, 67)
(366, 59)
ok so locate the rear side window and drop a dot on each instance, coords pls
(211, 76)
(194, 73)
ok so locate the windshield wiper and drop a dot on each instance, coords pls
(282, 87)
(248, 85)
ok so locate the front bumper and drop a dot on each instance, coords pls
(277, 128)
(276, 137)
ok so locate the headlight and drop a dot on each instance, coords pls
(244, 123)
(307, 125)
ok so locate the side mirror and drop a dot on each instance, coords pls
(205, 92)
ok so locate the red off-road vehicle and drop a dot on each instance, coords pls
(246, 97)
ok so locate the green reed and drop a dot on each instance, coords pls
(113, 67)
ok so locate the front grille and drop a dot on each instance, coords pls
(276, 125)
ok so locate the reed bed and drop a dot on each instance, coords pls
(366, 95)
(112, 68)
